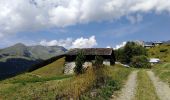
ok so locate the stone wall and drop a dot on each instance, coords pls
(69, 66)
(106, 62)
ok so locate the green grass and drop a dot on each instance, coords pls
(145, 89)
(163, 71)
(38, 85)
(25, 84)
(55, 68)
(162, 52)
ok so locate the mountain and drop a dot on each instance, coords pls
(19, 57)
(166, 42)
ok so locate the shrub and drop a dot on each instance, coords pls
(98, 61)
(140, 62)
(80, 59)
(163, 50)
(130, 50)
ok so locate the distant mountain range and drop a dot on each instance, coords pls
(19, 57)
(150, 42)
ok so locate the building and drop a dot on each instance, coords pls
(157, 43)
(90, 53)
(154, 60)
(148, 46)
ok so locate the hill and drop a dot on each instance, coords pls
(162, 52)
(49, 82)
(19, 57)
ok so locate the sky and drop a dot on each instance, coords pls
(83, 23)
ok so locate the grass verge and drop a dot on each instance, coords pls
(111, 79)
(163, 72)
(145, 89)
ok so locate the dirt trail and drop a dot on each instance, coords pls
(128, 92)
(162, 89)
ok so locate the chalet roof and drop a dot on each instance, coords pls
(91, 51)
(157, 42)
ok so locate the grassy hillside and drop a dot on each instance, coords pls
(51, 71)
(163, 69)
(49, 83)
(55, 68)
(162, 52)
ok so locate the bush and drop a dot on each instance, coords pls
(98, 61)
(80, 59)
(130, 50)
(140, 62)
(163, 50)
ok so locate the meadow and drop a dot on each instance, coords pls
(49, 82)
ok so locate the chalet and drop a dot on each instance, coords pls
(90, 53)
(152, 44)
(148, 46)
(157, 43)
(154, 61)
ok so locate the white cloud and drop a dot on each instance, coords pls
(108, 47)
(84, 42)
(120, 45)
(65, 43)
(135, 19)
(26, 15)
(70, 43)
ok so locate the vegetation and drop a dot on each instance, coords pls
(130, 50)
(19, 58)
(42, 85)
(114, 78)
(98, 61)
(140, 62)
(163, 71)
(55, 68)
(145, 89)
(162, 52)
(80, 59)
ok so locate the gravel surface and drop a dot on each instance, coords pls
(128, 92)
(162, 89)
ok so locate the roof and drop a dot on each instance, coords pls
(157, 42)
(91, 51)
(148, 45)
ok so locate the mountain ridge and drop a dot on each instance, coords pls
(19, 57)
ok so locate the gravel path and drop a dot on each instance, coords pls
(128, 92)
(162, 89)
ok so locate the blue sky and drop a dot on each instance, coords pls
(148, 24)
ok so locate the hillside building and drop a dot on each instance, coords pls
(90, 53)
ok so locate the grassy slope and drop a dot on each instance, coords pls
(164, 56)
(12, 85)
(55, 68)
(26, 87)
(145, 89)
(163, 69)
